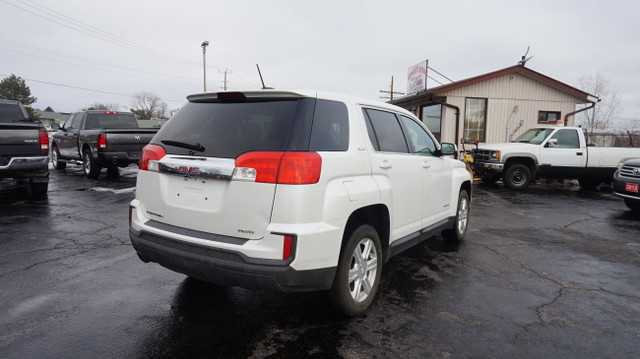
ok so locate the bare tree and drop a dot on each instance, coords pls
(605, 111)
(148, 105)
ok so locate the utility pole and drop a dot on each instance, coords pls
(204, 62)
(391, 92)
(225, 72)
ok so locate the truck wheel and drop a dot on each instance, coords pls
(358, 274)
(459, 229)
(517, 177)
(55, 159)
(633, 205)
(38, 189)
(589, 183)
(113, 172)
(91, 168)
(490, 179)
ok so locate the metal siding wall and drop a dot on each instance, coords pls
(503, 94)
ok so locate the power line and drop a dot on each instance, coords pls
(92, 31)
(191, 80)
(86, 89)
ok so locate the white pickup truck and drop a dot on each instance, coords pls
(549, 152)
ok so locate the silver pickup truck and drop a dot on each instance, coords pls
(99, 139)
(24, 147)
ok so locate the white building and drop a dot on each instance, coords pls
(497, 106)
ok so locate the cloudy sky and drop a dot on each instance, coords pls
(74, 53)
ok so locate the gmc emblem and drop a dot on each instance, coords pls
(189, 170)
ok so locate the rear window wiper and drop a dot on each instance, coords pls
(197, 147)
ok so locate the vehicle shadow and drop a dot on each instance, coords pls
(211, 321)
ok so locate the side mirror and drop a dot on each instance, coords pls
(55, 126)
(552, 142)
(448, 149)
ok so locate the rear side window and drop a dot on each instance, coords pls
(110, 120)
(330, 131)
(12, 113)
(385, 131)
(227, 130)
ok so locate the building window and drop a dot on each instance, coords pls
(431, 117)
(548, 117)
(475, 119)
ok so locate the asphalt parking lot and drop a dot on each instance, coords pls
(553, 272)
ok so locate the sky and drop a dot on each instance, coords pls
(75, 53)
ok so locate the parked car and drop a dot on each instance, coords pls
(24, 147)
(294, 191)
(549, 152)
(99, 139)
(626, 183)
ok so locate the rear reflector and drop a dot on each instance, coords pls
(151, 154)
(287, 247)
(279, 167)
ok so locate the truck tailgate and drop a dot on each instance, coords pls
(128, 140)
(18, 138)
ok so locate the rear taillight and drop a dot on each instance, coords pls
(44, 140)
(102, 141)
(279, 167)
(151, 154)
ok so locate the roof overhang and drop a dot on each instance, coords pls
(581, 96)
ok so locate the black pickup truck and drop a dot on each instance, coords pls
(99, 139)
(24, 147)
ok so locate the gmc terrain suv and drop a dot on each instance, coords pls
(294, 191)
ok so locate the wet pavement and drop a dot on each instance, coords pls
(551, 272)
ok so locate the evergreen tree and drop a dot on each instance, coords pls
(15, 88)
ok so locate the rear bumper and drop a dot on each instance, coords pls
(227, 268)
(25, 167)
(122, 159)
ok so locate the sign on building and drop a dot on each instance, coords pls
(417, 78)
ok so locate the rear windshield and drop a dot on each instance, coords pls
(11, 113)
(110, 120)
(228, 130)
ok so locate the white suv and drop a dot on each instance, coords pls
(294, 191)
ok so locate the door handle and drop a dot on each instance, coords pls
(578, 153)
(385, 164)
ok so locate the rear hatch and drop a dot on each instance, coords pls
(19, 136)
(207, 152)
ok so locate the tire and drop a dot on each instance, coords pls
(358, 275)
(461, 224)
(91, 168)
(113, 172)
(633, 205)
(517, 177)
(55, 159)
(38, 189)
(589, 183)
(490, 179)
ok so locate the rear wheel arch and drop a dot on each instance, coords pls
(376, 216)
